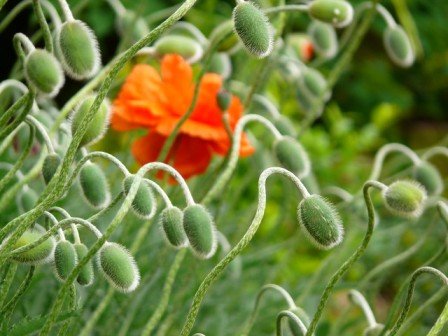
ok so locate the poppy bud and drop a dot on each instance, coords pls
(405, 198)
(223, 98)
(78, 50)
(27, 200)
(284, 126)
(320, 221)
(221, 65)
(143, 203)
(253, 28)
(291, 155)
(65, 259)
(118, 267)
(200, 230)
(98, 125)
(49, 167)
(43, 72)
(313, 84)
(171, 221)
(40, 254)
(324, 39)
(184, 46)
(132, 25)
(426, 174)
(85, 276)
(338, 13)
(94, 185)
(398, 46)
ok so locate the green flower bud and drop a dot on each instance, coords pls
(428, 175)
(86, 275)
(171, 221)
(221, 65)
(338, 13)
(43, 72)
(98, 125)
(200, 230)
(78, 50)
(223, 98)
(144, 202)
(65, 259)
(291, 155)
(181, 45)
(284, 126)
(94, 185)
(398, 46)
(26, 200)
(49, 167)
(320, 221)
(131, 26)
(253, 29)
(324, 39)
(40, 254)
(405, 198)
(118, 267)
(313, 84)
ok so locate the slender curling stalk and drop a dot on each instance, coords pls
(292, 316)
(433, 151)
(43, 25)
(216, 271)
(440, 323)
(358, 299)
(38, 125)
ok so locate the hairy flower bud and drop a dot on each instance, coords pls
(223, 98)
(405, 198)
(86, 275)
(26, 200)
(428, 175)
(171, 221)
(144, 202)
(184, 46)
(291, 155)
(49, 167)
(398, 46)
(313, 84)
(324, 39)
(284, 126)
(40, 254)
(338, 13)
(94, 185)
(65, 259)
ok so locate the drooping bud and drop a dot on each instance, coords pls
(200, 230)
(144, 202)
(291, 155)
(65, 259)
(253, 29)
(220, 63)
(338, 13)
(313, 84)
(49, 167)
(223, 98)
(405, 198)
(171, 221)
(86, 275)
(78, 50)
(98, 125)
(284, 126)
(428, 175)
(43, 72)
(40, 254)
(26, 200)
(398, 46)
(94, 185)
(118, 267)
(320, 221)
(324, 39)
(184, 46)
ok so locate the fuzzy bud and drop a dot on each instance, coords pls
(86, 275)
(49, 167)
(98, 125)
(143, 203)
(40, 254)
(94, 185)
(284, 126)
(428, 175)
(78, 50)
(171, 221)
(313, 84)
(253, 28)
(27, 200)
(398, 46)
(184, 46)
(118, 267)
(223, 98)
(65, 259)
(200, 230)
(338, 13)
(324, 39)
(220, 64)
(291, 155)
(43, 72)
(320, 221)
(405, 198)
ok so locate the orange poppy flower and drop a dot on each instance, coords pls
(157, 102)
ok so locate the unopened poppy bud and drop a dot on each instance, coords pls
(324, 39)
(143, 203)
(184, 46)
(313, 84)
(171, 221)
(398, 46)
(338, 13)
(320, 221)
(40, 254)
(97, 127)
(200, 230)
(43, 72)
(253, 28)
(65, 259)
(291, 155)
(78, 50)
(49, 167)
(284, 126)
(118, 267)
(27, 200)
(94, 185)
(132, 26)
(86, 275)
(223, 98)
(428, 176)
(405, 198)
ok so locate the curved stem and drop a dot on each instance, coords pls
(117, 6)
(440, 323)
(22, 41)
(26, 104)
(223, 179)
(161, 192)
(14, 83)
(43, 25)
(388, 18)
(357, 298)
(7, 141)
(292, 316)
(193, 30)
(437, 150)
(33, 121)
(114, 202)
(66, 10)
(343, 194)
(354, 257)
(286, 8)
(6, 116)
(216, 271)
(10, 272)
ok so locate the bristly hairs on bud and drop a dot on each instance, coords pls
(405, 198)
(171, 224)
(94, 186)
(143, 204)
(427, 174)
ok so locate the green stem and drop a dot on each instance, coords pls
(293, 317)
(43, 25)
(6, 116)
(10, 272)
(440, 323)
(217, 270)
(355, 256)
(286, 8)
(65, 327)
